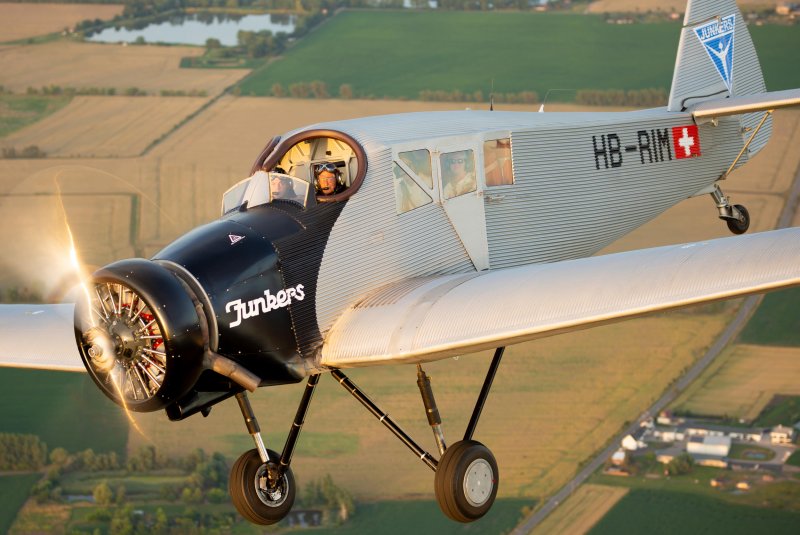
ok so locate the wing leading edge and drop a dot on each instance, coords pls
(429, 319)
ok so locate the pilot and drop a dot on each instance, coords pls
(497, 155)
(328, 179)
(457, 179)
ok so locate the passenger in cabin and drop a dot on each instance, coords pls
(328, 179)
(497, 158)
(458, 175)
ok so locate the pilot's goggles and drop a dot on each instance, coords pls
(456, 160)
(331, 168)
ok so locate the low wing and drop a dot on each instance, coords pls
(39, 336)
(711, 109)
(428, 319)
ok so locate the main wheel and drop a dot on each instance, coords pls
(739, 226)
(466, 481)
(259, 498)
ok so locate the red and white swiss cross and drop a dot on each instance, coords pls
(686, 141)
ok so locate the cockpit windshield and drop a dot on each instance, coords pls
(264, 188)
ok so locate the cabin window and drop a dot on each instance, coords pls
(458, 173)
(419, 161)
(497, 162)
(407, 193)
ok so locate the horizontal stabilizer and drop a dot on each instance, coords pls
(711, 109)
(421, 320)
(39, 336)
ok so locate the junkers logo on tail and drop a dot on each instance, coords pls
(262, 305)
(717, 39)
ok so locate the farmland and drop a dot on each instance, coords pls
(741, 381)
(21, 21)
(469, 51)
(653, 512)
(13, 493)
(556, 380)
(617, 6)
(582, 510)
(130, 124)
(776, 322)
(18, 111)
(64, 409)
(87, 65)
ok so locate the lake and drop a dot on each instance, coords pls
(195, 29)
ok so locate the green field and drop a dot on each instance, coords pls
(18, 111)
(63, 409)
(403, 517)
(13, 493)
(398, 54)
(782, 410)
(776, 322)
(652, 512)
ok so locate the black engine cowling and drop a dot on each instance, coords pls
(139, 335)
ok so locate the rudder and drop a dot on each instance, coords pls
(716, 59)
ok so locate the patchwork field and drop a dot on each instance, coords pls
(560, 397)
(742, 380)
(20, 21)
(527, 52)
(13, 493)
(656, 512)
(616, 6)
(776, 322)
(85, 65)
(582, 510)
(105, 127)
(19, 111)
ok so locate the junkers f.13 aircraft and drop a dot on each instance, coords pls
(456, 232)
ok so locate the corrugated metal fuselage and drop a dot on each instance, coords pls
(581, 181)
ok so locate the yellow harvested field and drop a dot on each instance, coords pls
(105, 127)
(742, 380)
(582, 510)
(20, 21)
(563, 397)
(79, 65)
(630, 6)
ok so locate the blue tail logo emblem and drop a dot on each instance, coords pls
(717, 38)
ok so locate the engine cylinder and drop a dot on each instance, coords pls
(139, 335)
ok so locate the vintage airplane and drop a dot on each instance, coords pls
(415, 237)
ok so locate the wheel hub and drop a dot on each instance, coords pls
(478, 482)
(271, 496)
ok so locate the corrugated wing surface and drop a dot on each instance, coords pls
(460, 314)
(39, 336)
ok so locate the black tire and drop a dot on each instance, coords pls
(256, 504)
(739, 226)
(466, 481)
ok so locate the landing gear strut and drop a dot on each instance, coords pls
(736, 216)
(261, 483)
(466, 476)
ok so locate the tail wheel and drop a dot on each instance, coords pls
(466, 481)
(259, 491)
(740, 225)
(124, 347)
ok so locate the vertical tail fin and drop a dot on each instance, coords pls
(716, 59)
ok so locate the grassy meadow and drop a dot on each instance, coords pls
(13, 493)
(776, 322)
(64, 409)
(408, 52)
(655, 512)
